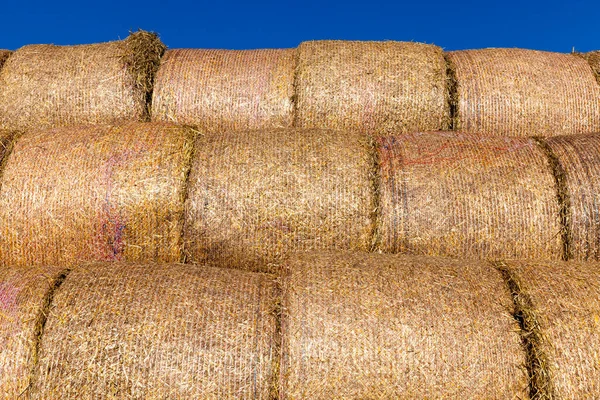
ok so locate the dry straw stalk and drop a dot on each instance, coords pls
(143, 331)
(374, 87)
(359, 325)
(226, 89)
(95, 193)
(45, 86)
(7, 140)
(517, 92)
(255, 196)
(448, 193)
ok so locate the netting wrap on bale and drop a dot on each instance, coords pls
(374, 87)
(159, 331)
(24, 298)
(518, 92)
(361, 325)
(463, 195)
(3, 56)
(46, 86)
(95, 193)
(256, 196)
(560, 304)
(226, 89)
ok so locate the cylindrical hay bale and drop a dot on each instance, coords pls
(255, 196)
(158, 332)
(226, 89)
(579, 157)
(24, 299)
(517, 92)
(375, 87)
(593, 57)
(560, 303)
(362, 325)
(3, 56)
(95, 193)
(463, 195)
(46, 86)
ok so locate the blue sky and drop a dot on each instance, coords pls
(551, 25)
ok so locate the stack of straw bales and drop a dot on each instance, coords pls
(45, 86)
(382, 326)
(95, 193)
(447, 193)
(375, 87)
(226, 89)
(256, 196)
(519, 92)
(3, 56)
(159, 331)
(24, 301)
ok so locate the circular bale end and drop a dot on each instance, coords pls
(375, 87)
(516, 92)
(159, 331)
(382, 326)
(226, 89)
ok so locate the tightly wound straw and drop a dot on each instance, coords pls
(359, 325)
(143, 331)
(593, 57)
(3, 56)
(95, 193)
(375, 87)
(562, 299)
(517, 92)
(24, 298)
(46, 86)
(255, 196)
(579, 156)
(226, 89)
(448, 193)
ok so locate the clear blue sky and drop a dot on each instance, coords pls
(552, 25)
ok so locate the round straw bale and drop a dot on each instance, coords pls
(24, 300)
(449, 193)
(159, 332)
(518, 92)
(255, 196)
(95, 193)
(3, 56)
(561, 300)
(375, 87)
(593, 57)
(226, 89)
(579, 156)
(378, 326)
(46, 86)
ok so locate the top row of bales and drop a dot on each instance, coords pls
(378, 88)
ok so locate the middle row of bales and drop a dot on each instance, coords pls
(161, 192)
(378, 88)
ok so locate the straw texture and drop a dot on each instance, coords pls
(46, 86)
(593, 57)
(226, 89)
(6, 143)
(95, 193)
(565, 301)
(24, 298)
(255, 196)
(359, 325)
(517, 92)
(579, 156)
(375, 87)
(3, 56)
(132, 331)
(464, 195)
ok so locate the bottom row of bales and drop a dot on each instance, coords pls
(335, 324)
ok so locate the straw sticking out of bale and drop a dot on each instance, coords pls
(4, 56)
(45, 86)
(593, 58)
(95, 193)
(375, 87)
(159, 331)
(564, 307)
(517, 92)
(463, 195)
(381, 326)
(226, 89)
(7, 139)
(256, 196)
(25, 295)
